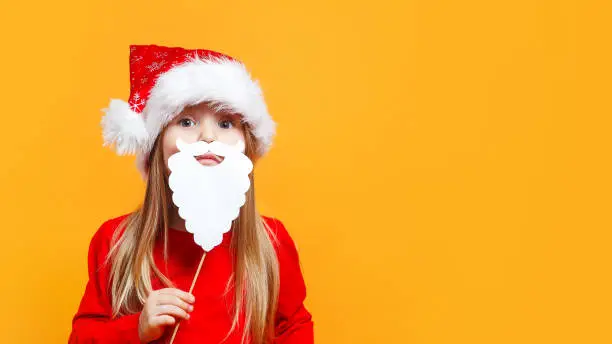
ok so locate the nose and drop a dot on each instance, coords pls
(207, 132)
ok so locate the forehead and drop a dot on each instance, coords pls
(208, 108)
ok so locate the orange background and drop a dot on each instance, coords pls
(443, 166)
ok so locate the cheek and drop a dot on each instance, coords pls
(169, 141)
(169, 144)
(231, 136)
(172, 133)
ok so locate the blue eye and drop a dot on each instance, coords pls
(226, 124)
(186, 122)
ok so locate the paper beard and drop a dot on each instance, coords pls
(209, 198)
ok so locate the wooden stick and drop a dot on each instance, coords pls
(190, 290)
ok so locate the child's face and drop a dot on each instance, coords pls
(201, 123)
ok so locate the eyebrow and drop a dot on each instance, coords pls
(232, 115)
(181, 116)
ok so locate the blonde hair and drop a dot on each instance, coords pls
(256, 274)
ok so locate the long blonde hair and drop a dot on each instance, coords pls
(256, 274)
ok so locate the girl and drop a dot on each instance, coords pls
(250, 288)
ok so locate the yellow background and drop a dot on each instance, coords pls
(443, 166)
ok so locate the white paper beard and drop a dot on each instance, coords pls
(209, 198)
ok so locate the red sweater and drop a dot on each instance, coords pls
(211, 318)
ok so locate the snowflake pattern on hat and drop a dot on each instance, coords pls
(149, 61)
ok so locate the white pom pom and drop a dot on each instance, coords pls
(123, 127)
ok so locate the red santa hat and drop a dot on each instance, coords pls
(163, 80)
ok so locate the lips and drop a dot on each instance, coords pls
(209, 156)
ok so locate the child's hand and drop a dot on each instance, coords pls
(161, 309)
